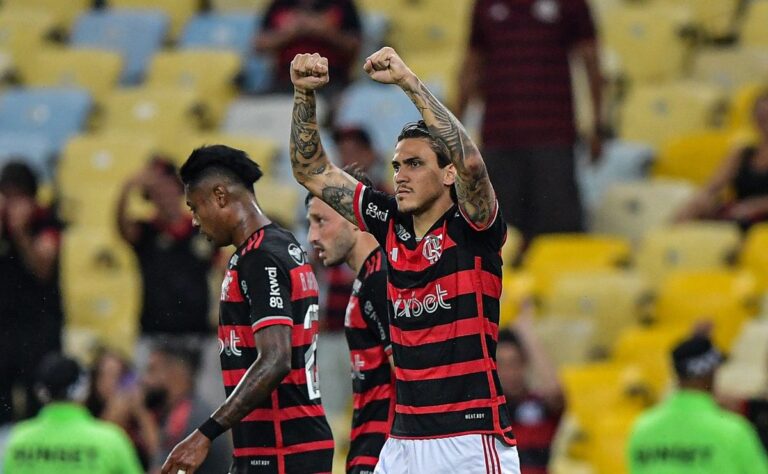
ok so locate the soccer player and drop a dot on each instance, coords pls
(442, 236)
(267, 329)
(366, 326)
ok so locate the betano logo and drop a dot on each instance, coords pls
(413, 307)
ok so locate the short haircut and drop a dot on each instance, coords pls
(17, 174)
(220, 159)
(508, 336)
(352, 170)
(420, 130)
(167, 168)
(352, 132)
(59, 376)
(181, 349)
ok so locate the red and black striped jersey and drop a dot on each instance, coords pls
(443, 292)
(268, 281)
(367, 330)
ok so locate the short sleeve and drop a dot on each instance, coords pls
(373, 211)
(373, 305)
(492, 237)
(266, 286)
(580, 24)
(477, 38)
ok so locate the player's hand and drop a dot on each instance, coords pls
(309, 71)
(188, 455)
(387, 67)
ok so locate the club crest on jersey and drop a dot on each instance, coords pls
(297, 254)
(433, 248)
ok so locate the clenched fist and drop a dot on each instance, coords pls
(309, 71)
(386, 66)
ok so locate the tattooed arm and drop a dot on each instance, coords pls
(311, 167)
(473, 187)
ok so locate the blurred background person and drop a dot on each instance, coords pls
(169, 391)
(534, 397)
(64, 437)
(354, 147)
(528, 127)
(688, 432)
(30, 302)
(745, 173)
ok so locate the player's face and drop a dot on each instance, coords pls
(511, 368)
(761, 115)
(329, 233)
(419, 180)
(207, 215)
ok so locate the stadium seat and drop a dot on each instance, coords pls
(261, 150)
(240, 5)
(630, 209)
(179, 11)
(31, 148)
(23, 33)
(57, 113)
(160, 112)
(96, 71)
(566, 341)
(751, 346)
(214, 84)
(64, 14)
(696, 156)
(736, 381)
(553, 254)
(92, 171)
(100, 287)
(393, 110)
(613, 299)
(699, 245)
(440, 73)
(517, 289)
(753, 30)
(222, 31)
(656, 113)
(427, 27)
(713, 18)
(135, 34)
(730, 68)
(280, 200)
(725, 298)
(754, 254)
(740, 110)
(637, 33)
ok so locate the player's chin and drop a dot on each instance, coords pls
(405, 205)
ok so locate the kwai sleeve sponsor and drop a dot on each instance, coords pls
(266, 286)
(373, 211)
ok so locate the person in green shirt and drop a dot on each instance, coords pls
(64, 438)
(689, 433)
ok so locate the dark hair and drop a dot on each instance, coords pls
(353, 170)
(19, 175)
(353, 132)
(220, 159)
(420, 130)
(182, 350)
(58, 377)
(508, 336)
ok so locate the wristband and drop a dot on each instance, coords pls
(211, 429)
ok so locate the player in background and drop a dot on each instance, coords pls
(442, 236)
(366, 326)
(267, 329)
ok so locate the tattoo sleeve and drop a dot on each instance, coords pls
(473, 186)
(311, 166)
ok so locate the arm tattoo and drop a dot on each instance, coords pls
(307, 154)
(473, 186)
(341, 198)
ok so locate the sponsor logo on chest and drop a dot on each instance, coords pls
(414, 307)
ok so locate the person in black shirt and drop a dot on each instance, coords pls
(267, 329)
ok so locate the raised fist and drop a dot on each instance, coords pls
(386, 66)
(309, 71)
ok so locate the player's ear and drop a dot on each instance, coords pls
(449, 175)
(221, 195)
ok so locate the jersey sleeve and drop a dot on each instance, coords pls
(266, 286)
(491, 237)
(374, 308)
(124, 456)
(373, 211)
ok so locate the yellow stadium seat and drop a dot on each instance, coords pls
(630, 209)
(649, 348)
(725, 298)
(158, 112)
(428, 27)
(510, 251)
(697, 156)
(64, 13)
(656, 113)
(439, 71)
(740, 110)
(553, 254)
(613, 299)
(23, 34)
(700, 245)
(97, 71)
(261, 150)
(754, 254)
(608, 440)
(91, 172)
(179, 11)
(730, 68)
(715, 18)
(753, 29)
(215, 83)
(517, 289)
(280, 200)
(100, 286)
(240, 5)
(566, 341)
(751, 346)
(738, 381)
(636, 34)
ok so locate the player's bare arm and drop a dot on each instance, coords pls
(473, 187)
(311, 167)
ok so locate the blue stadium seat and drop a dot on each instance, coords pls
(230, 31)
(55, 113)
(34, 149)
(135, 34)
(380, 109)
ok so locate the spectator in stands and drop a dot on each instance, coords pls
(535, 407)
(328, 27)
(169, 385)
(354, 147)
(689, 432)
(745, 172)
(115, 396)
(64, 437)
(30, 303)
(517, 62)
